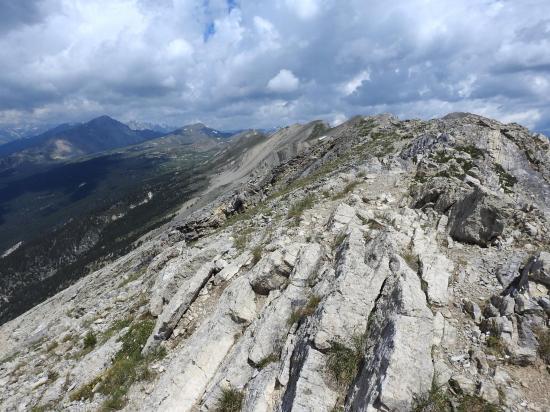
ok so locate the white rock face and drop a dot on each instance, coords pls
(194, 367)
(345, 311)
(435, 268)
(399, 340)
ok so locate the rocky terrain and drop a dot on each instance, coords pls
(381, 265)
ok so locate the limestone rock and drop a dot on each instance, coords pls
(477, 218)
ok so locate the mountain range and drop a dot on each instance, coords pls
(68, 141)
(380, 265)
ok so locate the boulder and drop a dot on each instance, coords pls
(478, 218)
(440, 193)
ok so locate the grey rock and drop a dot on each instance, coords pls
(489, 392)
(540, 270)
(178, 305)
(260, 392)
(400, 334)
(489, 311)
(507, 306)
(525, 305)
(478, 218)
(265, 277)
(473, 310)
(462, 385)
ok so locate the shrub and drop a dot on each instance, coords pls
(507, 181)
(230, 400)
(472, 151)
(343, 362)
(90, 340)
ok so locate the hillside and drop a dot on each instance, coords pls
(59, 220)
(381, 265)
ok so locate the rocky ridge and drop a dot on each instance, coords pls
(386, 265)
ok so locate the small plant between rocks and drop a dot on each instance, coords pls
(230, 400)
(297, 209)
(257, 253)
(436, 400)
(272, 358)
(90, 340)
(343, 362)
(129, 366)
(495, 346)
(347, 189)
(305, 311)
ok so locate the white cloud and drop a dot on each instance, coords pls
(283, 82)
(353, 84)
(305, 9)
(179, 48)
(338, 119)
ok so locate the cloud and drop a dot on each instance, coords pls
(304, 9)
(15, 14)
(283, 82)
(263, 63)
(354, 83)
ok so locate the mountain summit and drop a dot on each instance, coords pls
(381, 265)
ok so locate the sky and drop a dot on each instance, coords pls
(264, 63)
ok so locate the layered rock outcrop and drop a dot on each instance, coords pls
(387, 266)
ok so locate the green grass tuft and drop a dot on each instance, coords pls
(436, 400)
(257, 253)
(305, 311)
(297, 209)
(267, 360)
(343, 362)
(129, 366)
(90, 340)
(346, 190)
(230, 401)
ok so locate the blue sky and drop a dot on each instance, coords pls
(236, 63)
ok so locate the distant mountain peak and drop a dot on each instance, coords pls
(104, 119)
